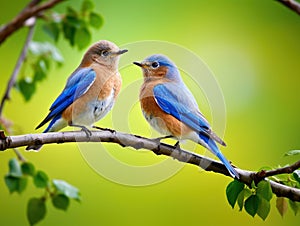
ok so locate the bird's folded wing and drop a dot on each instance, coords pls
(179, 102)
(77, 85)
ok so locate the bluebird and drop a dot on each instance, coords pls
(90, 92)
(171, 109)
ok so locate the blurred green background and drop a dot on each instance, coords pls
(251, 46)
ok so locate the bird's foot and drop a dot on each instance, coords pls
(177, 146)
(179, 151)
(84, 129)
(158, 139)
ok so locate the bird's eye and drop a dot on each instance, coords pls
(155, 65)
(104, 53)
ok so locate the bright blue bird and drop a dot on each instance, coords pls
(171, 109)
(90, 91)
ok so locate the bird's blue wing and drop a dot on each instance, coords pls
(176, 101)
(77, 85)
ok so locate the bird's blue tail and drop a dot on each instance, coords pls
(214, 148)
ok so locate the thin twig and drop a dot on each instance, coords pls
(33, 9)
(16, 70)
(19, 155)
(137, 142)
(287, 169)
(292, 4)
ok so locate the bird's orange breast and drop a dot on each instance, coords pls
(104, 84)
(151, 109)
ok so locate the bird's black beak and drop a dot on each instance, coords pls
(138, 64)
(122, 51)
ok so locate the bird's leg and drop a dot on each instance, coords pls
(178, 148)
(84, 129)
(104, 129)
(158, 139)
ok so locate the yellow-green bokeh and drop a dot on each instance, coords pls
(251, 46)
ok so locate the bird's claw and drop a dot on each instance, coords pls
(178, 148)
(87, 132)
(84, 129)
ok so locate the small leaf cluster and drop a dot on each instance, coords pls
(74, 24)
(58, 191)
(39, 59)
(255, 200)
(291, 180)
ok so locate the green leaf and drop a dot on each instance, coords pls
(26, 87)
(52, 29)
(245, 193)
(96, 20)
(251, 205)
(67, 189)
(60, 201)
(233, 190)
(28, 168)
(281, 205)
(295, 206)
(69, 33)
(296, 175)
(240, 200)
(292, 152)
(71, 12)
(87, 6)
(36, 210)
(14, 168)
(22, 183)
(264, 190)
(40, 70)
(12, 183)
(40, 179)
(15, 184)
(74, 21)
(82, 38)
(263, 208)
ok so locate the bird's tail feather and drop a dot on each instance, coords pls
(214, 148)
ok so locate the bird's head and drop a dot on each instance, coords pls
(159, 66)
(104, 53)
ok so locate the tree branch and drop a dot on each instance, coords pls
(16, 70)
(292, 4)
(287, 169)
(33, 9)
(137, 142)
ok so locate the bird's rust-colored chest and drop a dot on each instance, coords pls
(106, 81)
(147, 101)
(160, 120)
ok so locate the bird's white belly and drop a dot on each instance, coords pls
(96, 110)
(157, 123)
